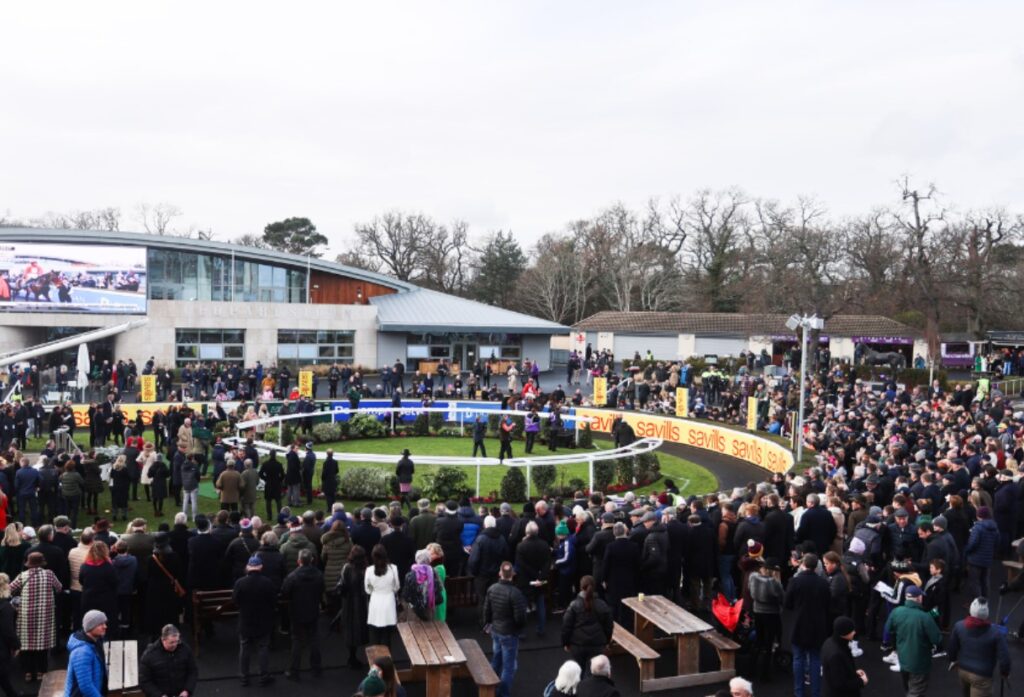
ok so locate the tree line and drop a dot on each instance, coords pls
(918, 259)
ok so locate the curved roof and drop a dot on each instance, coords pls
(186, 244)
(427, 310)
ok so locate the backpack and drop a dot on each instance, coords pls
(416, 598)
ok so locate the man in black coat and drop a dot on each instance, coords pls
(293, 476)
(809, 597)
(598, 546)
(678, 539)
(700, 560)
(303, 589)
(308, 468)
(204, 558)
(365, 533)
(504, 609)
(255, 596)
(839, 672)
(401, 548)
(448, 533)
(619, 570)
(272, 474)
(533, 566)
(168, 667)
(818, 526)
(779, 533)
(488, 552)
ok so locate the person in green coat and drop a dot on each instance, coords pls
(437, 561)
(914, 634)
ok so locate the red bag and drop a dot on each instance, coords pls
(728, 614)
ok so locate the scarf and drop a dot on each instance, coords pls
(425, 580)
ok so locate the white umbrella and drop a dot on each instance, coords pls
(83, 368)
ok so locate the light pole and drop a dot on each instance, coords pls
(805, 324)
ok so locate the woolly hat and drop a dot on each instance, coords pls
(857, 546)
(754, 548)
(372, 685)
(979, 609)
(562, 528)
(93, 619)
(984, 513)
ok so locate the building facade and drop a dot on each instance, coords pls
(208, 301)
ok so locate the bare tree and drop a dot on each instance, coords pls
(394, 239)
(716, 222)
(157, 219)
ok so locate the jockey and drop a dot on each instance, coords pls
(33, 270)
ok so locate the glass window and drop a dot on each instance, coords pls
(209, 345)
(305, 347)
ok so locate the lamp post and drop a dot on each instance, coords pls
(805, 324)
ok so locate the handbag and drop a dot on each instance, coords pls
(178, 589)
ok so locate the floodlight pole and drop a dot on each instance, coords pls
(804, 325)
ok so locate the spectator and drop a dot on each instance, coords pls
(914, 633)
(533, 562)
(303, 589)
(9, 642)
(99, 581)
(977, 648)
(505, 613)
(255, 596)
(421, 589)
(767, 596)
(840, 675)
(421, 527)
(599, 682)
(567, 682)
(488, 552)
(808, 596)
(354, 608)
(87, 670)
(168, 667)
(980, 552)
(382, 584)
(587, 624)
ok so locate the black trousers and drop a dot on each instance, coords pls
(305, 635)
(380, 635)
(505, 451)
(531, 436)
(479, 446)
(261, 647)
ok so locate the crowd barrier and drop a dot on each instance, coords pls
(745, 446)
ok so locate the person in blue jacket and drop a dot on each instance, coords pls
(565, 562)
(87, 673)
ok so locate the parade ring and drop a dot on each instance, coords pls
(638, 447)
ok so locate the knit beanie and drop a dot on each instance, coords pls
(372, 686)
(562, 529)
(979, 609)
(94, 618)
(843, 626)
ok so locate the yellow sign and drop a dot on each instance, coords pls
(600, 391)
(81, 411)
(751, 448)
(306, 383)
(682, 402)
(751, 413)
(148, 388)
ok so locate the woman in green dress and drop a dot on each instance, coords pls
(437, 561)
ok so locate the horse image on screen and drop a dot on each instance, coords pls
(97, 279)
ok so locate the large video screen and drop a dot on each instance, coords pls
(96, 279)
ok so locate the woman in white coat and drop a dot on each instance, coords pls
(382, 584)
(147, 458)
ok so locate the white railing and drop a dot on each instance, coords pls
(639, 447)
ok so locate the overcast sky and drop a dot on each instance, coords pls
(518, 115)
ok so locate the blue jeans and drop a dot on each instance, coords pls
(806, 661)
(726, 585)
(506, 651)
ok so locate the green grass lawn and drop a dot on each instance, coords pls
(688, 476)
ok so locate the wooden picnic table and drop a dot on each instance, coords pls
(432, 648)
(122, 666)
(684, 629)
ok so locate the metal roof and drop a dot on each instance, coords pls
(424, 310)
(735, 324)
(185, 244)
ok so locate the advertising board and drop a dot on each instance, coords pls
(94, 279)
(698, 434)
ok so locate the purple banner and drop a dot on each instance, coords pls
(883, 340)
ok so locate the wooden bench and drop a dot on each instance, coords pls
(208, 606)
(1013, 570)
(478, 669)
(624, 642)
(725, 648)
(53, 683)
(122, 667)
(460, 591)
(375, 651)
